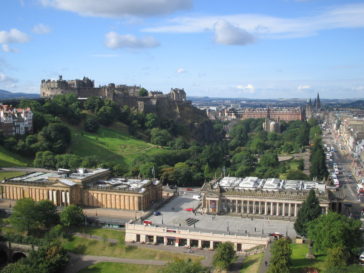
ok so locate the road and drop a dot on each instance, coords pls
(348, 188)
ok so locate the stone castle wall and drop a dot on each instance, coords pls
(121, 94)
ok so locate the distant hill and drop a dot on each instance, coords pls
(354, 104)
(5, 95)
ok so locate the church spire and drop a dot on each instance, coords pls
(318, 102)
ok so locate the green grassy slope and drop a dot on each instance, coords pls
(120, 268)
(10, 159)
(109, 144)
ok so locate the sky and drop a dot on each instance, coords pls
(231, 48)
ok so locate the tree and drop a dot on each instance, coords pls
(106, 115)
(269, 159)
(160, 136)
(224, 255)
(182, 174)
(335, 230)
(55, 137)
(184, 266)
(72, 216)
(151, 120)
(24, 217)
(337, 257)
(309, 211)
(46, 214)
(143, 92)
(91, 125)
(296, 175)
(280, 259)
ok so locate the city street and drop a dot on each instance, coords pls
(348, 185)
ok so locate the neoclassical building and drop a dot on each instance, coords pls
(90, 188)
(262, 197)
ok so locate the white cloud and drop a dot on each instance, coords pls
(13, 36)
(246, 89)
(119, 8)
(7, 81)
(7, 48)
(303, 87)
(266, 26)
(228, 34)
(41, 29)
(115, 40)
(181, 70)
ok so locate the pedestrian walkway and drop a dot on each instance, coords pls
(265, 261)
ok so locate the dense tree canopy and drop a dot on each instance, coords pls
(224, 255)
(280, 259)
(72, 216)
(335, 230)
(309, 211)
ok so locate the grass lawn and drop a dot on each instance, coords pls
(103, 232)
(251, 263)
(10, 159)
(100, 248)
(110, 145)
(299, 260)
(4, 175)
(120, 268)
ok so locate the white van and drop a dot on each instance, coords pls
(197, 197)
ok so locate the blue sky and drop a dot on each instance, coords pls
(247, 49)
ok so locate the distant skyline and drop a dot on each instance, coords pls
(248, 49)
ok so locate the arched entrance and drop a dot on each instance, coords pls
(17, 256)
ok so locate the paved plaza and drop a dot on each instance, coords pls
(174, 214)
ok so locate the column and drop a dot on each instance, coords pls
(283, 209)
(188, 242)
(55, 197)
(326, 210)
(63, 197)
(277, 209)
(199, 243)
(236, 206)
(248, 206)
(295, 210)
(155, 239)
(260, 207)
(236, 246)
(50, 195)
(211, 245)
(289, 209)
(253, 206)
(68, 198)
(165, 241)
(265, 208)
(271, 208)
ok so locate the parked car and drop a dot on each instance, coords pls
(157, 213)
(361, 257)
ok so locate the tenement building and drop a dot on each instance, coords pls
(15, 121)
(90, 188)
(262, 197)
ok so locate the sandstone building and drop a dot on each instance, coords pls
(262, 197)
(89, 188)
(15, 121)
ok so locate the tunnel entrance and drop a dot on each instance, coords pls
(17, 256)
